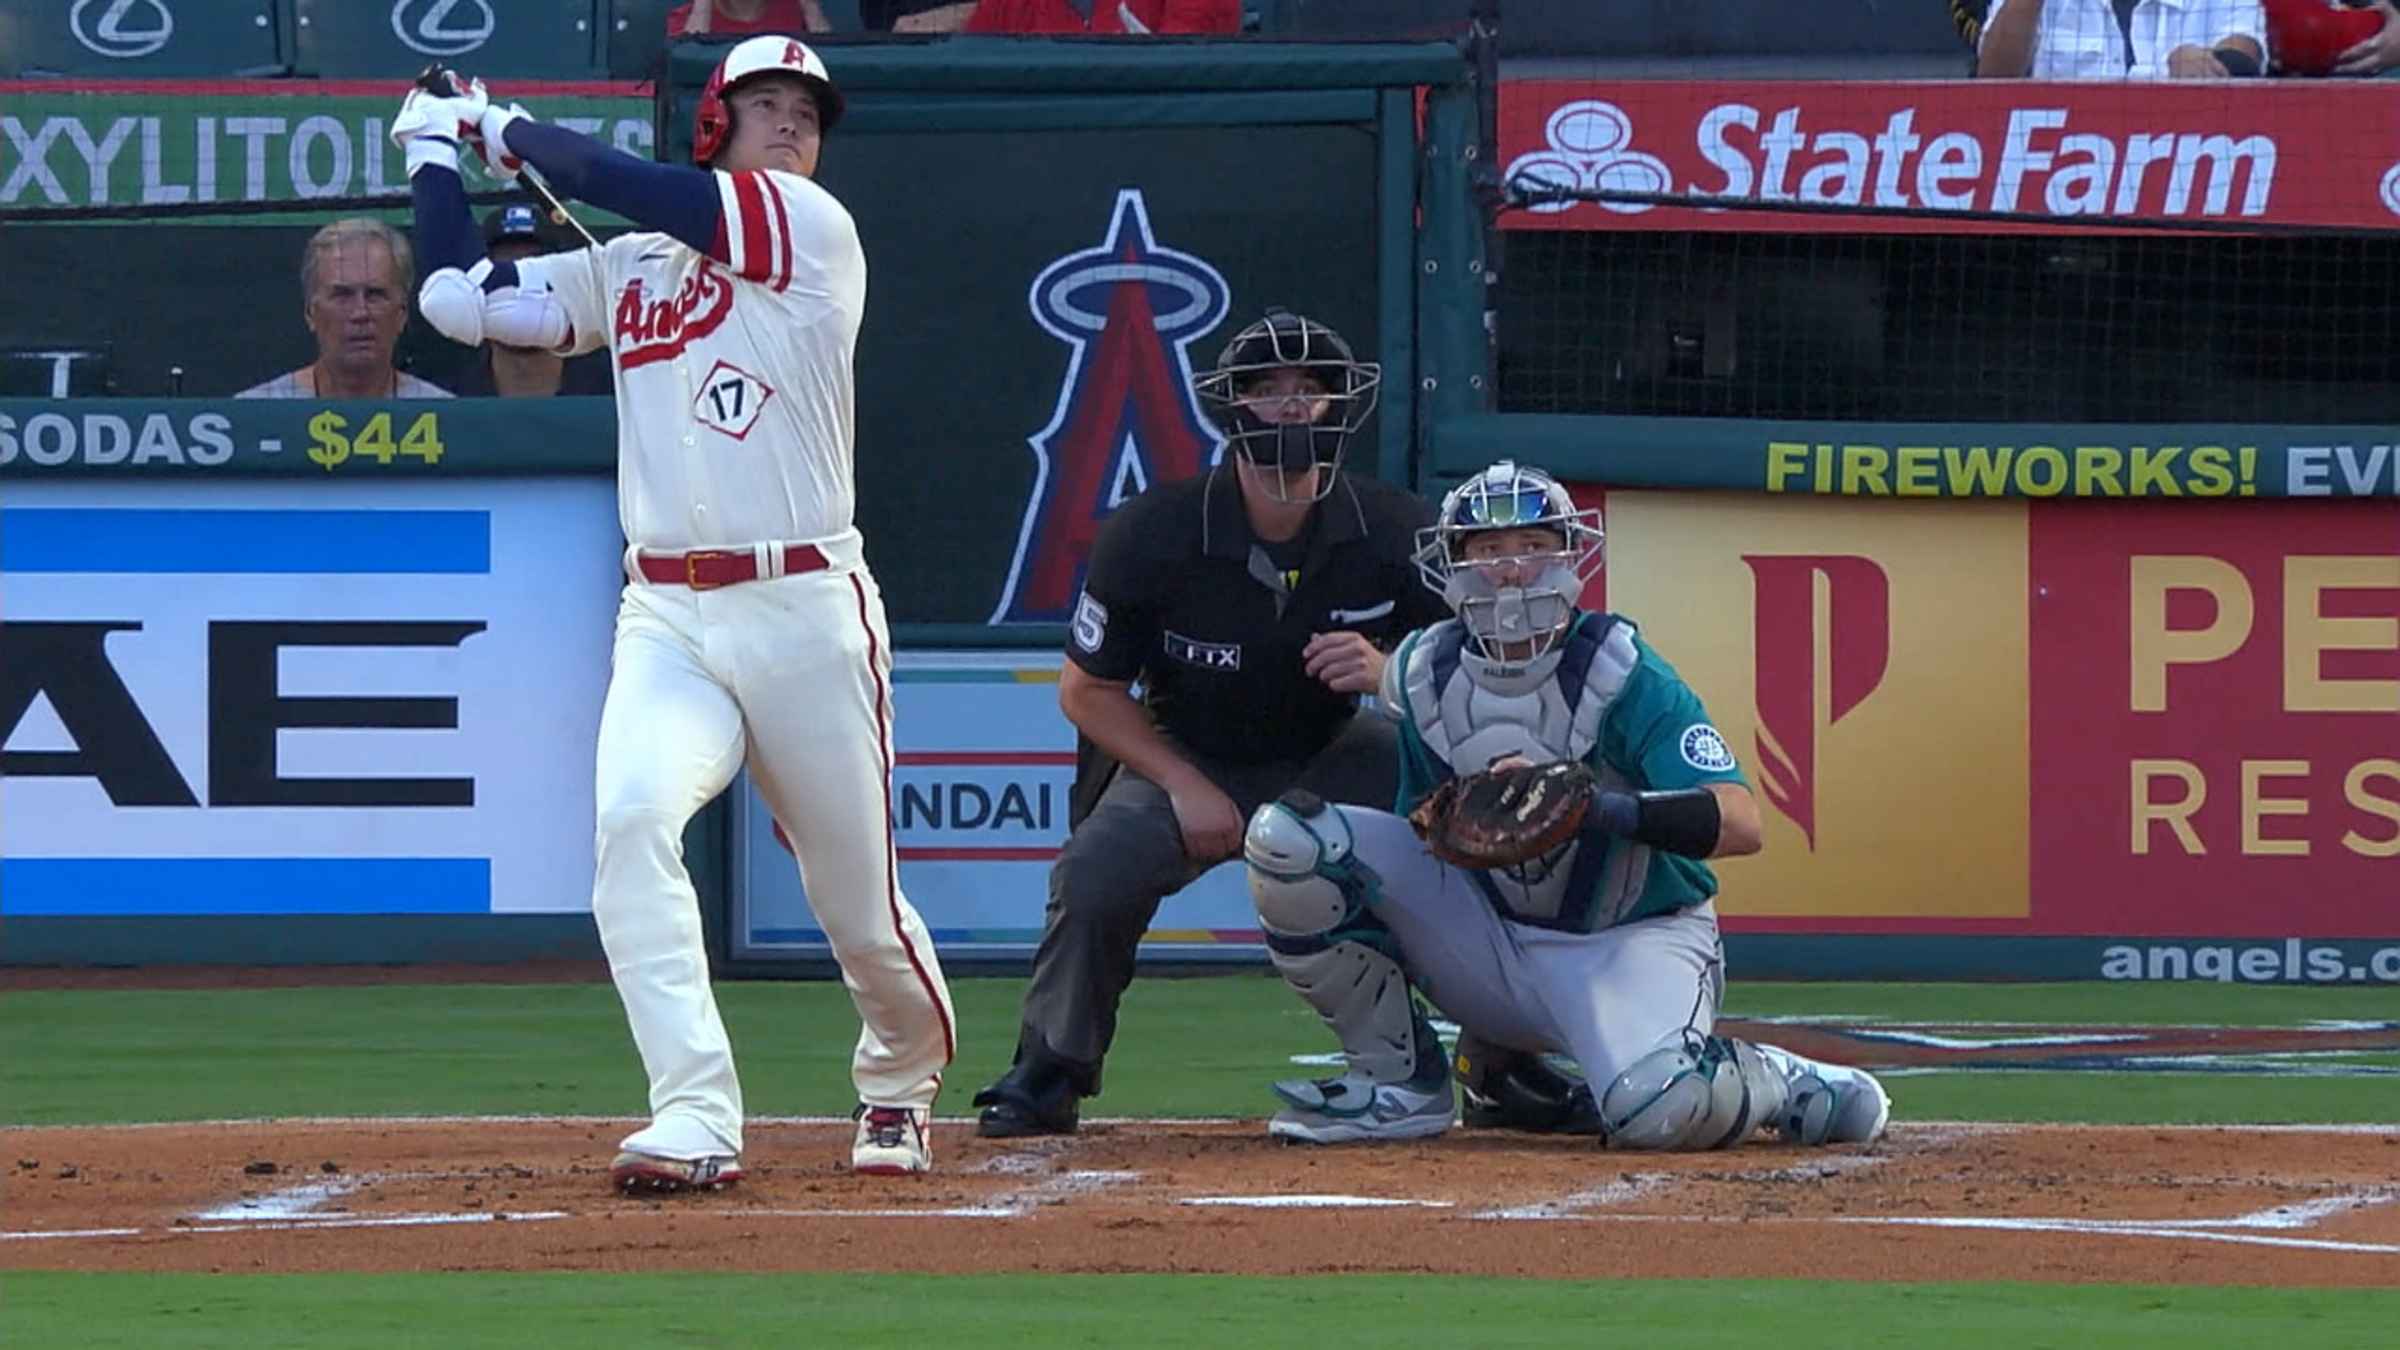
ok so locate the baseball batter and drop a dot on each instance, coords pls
(751, 628)
(1605, 949)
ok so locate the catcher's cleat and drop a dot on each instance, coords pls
(1830, 1104)
(648, 1174)
(1504, 1089)
(1351, 1110)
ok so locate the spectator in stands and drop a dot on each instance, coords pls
(510, 233)
(2332, 37)
(356, 280)
(2122, 39)
(915, 16)
(2377, 53)
(1106, 16)
(746, 17)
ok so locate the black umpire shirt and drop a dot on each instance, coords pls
(1180, 595)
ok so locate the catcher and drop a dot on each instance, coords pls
(1547, 889)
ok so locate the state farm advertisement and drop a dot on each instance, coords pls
(2215, 726)
(2293, 152)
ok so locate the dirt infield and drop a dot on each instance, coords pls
(2190, 1206)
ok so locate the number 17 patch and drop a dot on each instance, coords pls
(730, 399)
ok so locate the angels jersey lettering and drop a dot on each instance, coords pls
(733, 366)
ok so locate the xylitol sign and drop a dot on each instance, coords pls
(254, 142)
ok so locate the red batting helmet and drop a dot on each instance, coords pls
(748, 60)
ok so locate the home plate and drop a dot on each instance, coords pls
(1313, 1202)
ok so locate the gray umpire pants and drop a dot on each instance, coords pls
(1127, 857)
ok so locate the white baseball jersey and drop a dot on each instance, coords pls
(733, 371)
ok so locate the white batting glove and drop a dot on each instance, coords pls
(491, 131)
(429, 128)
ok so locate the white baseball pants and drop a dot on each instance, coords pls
(793, 673)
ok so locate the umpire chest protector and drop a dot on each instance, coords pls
(1466, 725)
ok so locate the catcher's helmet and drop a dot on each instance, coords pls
(1290, 445)
(748, 60)
(1536, 609)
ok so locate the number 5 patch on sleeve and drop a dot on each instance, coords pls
(1091, 623)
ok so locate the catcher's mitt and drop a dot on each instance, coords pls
(1502, 817)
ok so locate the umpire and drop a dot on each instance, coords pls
(1253, 604)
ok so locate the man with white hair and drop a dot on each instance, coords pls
(356, 278)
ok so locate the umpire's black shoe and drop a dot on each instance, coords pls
(1018, 1106)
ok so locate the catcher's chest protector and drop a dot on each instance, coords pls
(1467, 727)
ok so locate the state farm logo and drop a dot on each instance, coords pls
(2390, 190)
(1587, 151)
(1852, 146)
(1853, 647)
(123, 29)
(443, 27)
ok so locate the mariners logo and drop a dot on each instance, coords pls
(1128, 310)
(1705, 750)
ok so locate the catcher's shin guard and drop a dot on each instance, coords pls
(1312, 892)
(1701, 1092)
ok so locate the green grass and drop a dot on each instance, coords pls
(2160, 1004)
(462, 1312)
(1186, 1047)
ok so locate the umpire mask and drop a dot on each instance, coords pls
(1288, 395)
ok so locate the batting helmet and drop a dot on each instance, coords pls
(747, 61)
(1286, 341)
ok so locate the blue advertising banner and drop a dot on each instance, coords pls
(979, 800)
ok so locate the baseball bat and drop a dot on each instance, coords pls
(442, 82)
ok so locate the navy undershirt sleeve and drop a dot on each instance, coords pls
(678, 200)
(445, 227)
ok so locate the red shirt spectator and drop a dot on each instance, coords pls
(745, 17)
(1106, 16)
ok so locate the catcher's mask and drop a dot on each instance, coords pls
(712, 127)
(1516, 608)
(1259, 397)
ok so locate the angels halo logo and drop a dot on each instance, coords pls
(1128, 309)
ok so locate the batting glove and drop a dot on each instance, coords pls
(491, 137)
(430, 128)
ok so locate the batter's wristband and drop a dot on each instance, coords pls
(437, 151)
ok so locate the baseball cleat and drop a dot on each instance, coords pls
(891, 1141)
(1833, 1105)
(648, 1174)
(1352, 1110)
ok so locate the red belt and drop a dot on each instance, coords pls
(708, 568)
